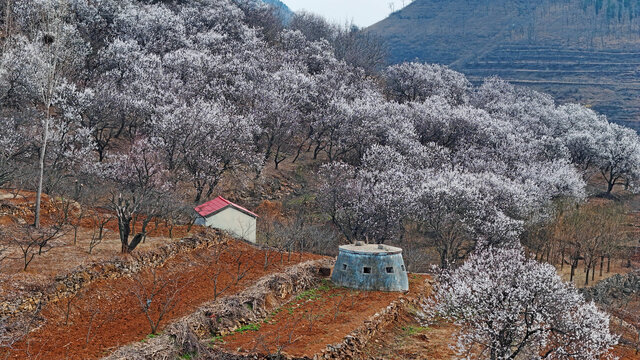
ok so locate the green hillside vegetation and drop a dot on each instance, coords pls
(585, 51)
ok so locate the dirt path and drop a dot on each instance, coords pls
(107, 314)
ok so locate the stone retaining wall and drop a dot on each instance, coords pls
(352, 345)
(617, 287)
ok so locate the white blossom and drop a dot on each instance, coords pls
(508, 307)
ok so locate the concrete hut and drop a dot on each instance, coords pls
(370, 267)
(222, 214)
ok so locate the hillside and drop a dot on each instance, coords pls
(580, 51)
(283, 9)
(121, 117)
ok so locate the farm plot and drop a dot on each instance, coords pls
(408, 338)
(314, 319)
(85, 235)
(113, 312)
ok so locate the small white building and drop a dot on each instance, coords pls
(222, 214)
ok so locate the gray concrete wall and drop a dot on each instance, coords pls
(349, 271)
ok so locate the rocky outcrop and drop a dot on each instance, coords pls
(617, 287)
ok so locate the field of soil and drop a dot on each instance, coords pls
(314, 319)
(64, 254)
(408, 339)
(108, 314)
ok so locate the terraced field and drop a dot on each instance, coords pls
(607, 80)
(576, 50)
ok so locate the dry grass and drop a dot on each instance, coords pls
(579, 276)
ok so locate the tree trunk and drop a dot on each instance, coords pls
(199, 190)
(135, 241)
(609, 187)
(7, 22)
(608, 263)
(601, 264)
(43, 149)
(316, 151)
(298, 153)
(278, 158)
(586, 279)
(443, 258)
(124, 228)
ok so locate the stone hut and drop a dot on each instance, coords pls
(370, 267)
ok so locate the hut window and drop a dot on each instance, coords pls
(402, 266)
(389, 270)
(366, 270)
(344, 267)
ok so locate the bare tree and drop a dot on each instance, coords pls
(244, 264)
(176, 213)
(99, 316)
(283, 338)
(157, 293)
(29, 240)
(212, 261)
(589, 233)
(76, 223)
(56, 59)
(290, 330)
(361, 49)
(65, 306)
(99, 220)
(337, 310)
(312, 318)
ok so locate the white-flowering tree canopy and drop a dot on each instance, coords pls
(145, 98)
(510, 307)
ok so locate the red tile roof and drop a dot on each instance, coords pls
(217, 204)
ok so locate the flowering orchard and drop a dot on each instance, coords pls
(152, 104)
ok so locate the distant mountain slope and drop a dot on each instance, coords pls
(579, 50)
(285, 12)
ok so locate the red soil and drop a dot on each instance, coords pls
(406, 338)
(626, 353)
(65, 254)
(107, 314)
(315, 319)
(52, 209)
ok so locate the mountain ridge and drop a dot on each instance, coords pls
(585, 51)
